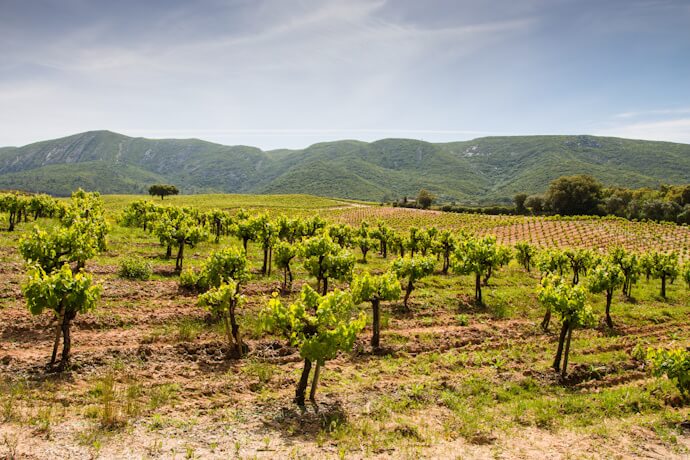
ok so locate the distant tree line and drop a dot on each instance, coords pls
(584, 195)
(424, 200)
(581, 195)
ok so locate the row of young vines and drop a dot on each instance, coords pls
(321, 322)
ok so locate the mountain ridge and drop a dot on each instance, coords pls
(478, 171)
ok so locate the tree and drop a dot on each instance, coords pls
(267, 235)
(519, 200)
(222, 301)
(364, 240)
(163, 190)
(13, 204)
(478, 256)
(374, 289)
(684, 216)
(574, 195)
(420, 240)
(81, 235)
(444, 245)
(219, 221)
(225, 265)
(425, 199)
(41, 205)
(289, 230)
(139, 213)
(86, 214)
(342, 234)
(398, 243)
(629, 264)
(661, 266)
(525, 253)
(552, 261)
(51, 250)
(66, 294)
(569, 303)
(412, 269)
(535, 203)
(244, 228)
(580, 261)
(503, 257)
(320, 326)
(606, 277)
(324, 260)
(178, 227)
(312, 226)
(385, 235)
(284, 253)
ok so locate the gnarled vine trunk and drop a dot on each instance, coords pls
(302, 384)
(408, 291)
(609, 297)
(58, 332)
(180, 257)
(561, 340)
(478, 288)
(315, 383)
(376, 323)
(547, 319)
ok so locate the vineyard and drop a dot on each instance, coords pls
(291, 326)
(585, 232)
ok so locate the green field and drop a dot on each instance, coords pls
(149, 378)
(274, 203)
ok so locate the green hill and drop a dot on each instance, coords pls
(484, 170)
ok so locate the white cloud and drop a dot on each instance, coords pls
(675, 130)
(654, 112)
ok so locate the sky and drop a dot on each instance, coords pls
(290, 73)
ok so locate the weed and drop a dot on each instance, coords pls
(13, 391)
(188, 330)
(260, 370)
(43, 420)
(161, 395)
(462, 319)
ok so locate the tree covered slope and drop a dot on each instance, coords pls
(489, 169)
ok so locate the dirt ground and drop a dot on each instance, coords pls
(219, 409)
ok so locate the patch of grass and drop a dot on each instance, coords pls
(43, 420)
(11, 394)
(462, 319)
(262, 371)
(188, 330)
(161, 395)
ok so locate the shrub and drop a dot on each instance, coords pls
(194, 281)
(65, 294)
(675, 364)
(134, 268)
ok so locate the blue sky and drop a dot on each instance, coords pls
(283, 73)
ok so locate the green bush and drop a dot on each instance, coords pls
(462, 319)
(193, 280)
(134, 268)
(675, 364)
